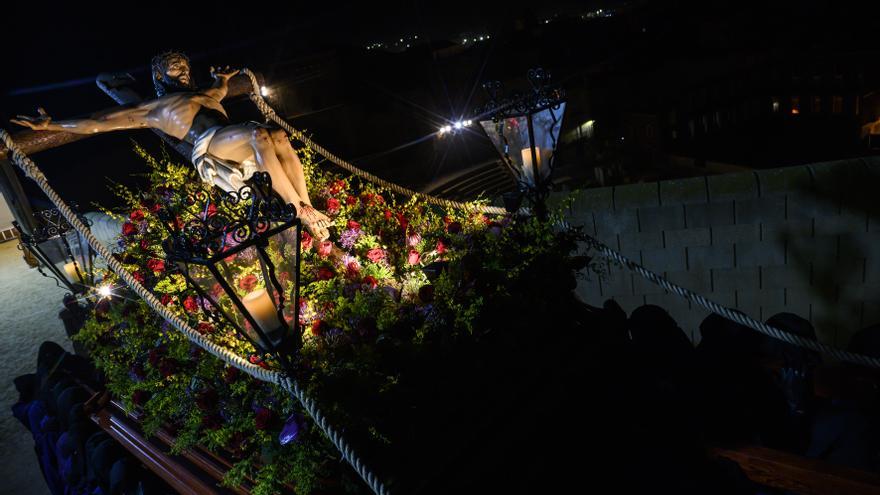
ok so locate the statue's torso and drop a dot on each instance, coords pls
(186, 115)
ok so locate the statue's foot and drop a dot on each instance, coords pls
(315, 222)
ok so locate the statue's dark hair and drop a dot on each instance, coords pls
(159, 64)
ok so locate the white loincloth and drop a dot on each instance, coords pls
(226, 174)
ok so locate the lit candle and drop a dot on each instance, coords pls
(262, 309)
(70, 270)
(527, 162)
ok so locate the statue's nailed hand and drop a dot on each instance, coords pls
(223, 74)
(38, 123)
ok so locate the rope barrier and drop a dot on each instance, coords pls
(738, 317)
(270, 114)
(733, 315)
(33, 172)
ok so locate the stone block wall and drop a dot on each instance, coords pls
(804, 240)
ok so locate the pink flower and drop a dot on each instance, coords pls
(306, 241)
(413, 239)
(324, 249)
(376, 255)
(332, 205)
(441, 246)
(414, 257)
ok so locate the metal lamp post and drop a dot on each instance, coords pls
(61, 250)
(242, 260)
(524, 128)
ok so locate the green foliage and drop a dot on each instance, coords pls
(355, 309)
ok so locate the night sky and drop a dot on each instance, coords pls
(54, 53)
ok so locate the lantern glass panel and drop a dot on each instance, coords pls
(258, 280)
(511, 138)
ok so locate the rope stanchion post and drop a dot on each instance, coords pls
(33, 172)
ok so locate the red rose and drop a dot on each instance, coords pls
(352, 269)
(136, 216)
(446, 220)
(306, 241)
(168, 367)
(441, 246)
(388, 214)
(453, 227)
(426, 293)
(263, 418)
(371, 281)
(230, 258)
(337, 186)
(129, 229)
(207, 400)
(325, 273)
(248, 282)
(212, 210)
(190, 304)
(212, 421)
(155, 207)
(376, 255)
(324, 249)
(155, 355)
(486, 220)
(138, 276)
(367, 199)
(140, 397)
(332, 205)
(231, 374)
(414, 257)
(402, 221)
(318, 327)
(156, 265)
(354, 225)
(351, 200)
(205, 328)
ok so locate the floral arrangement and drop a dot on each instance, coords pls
(398, 284)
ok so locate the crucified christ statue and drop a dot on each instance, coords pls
(224, 154)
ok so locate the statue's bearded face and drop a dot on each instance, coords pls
(177, 73)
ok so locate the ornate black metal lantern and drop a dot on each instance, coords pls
(240, 253)
(61, 250)
(524, 127)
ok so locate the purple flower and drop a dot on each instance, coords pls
(291, 429)
(349, 237)
(249, 254)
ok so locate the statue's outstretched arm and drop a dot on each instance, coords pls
(116, 120)
(221, 82)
